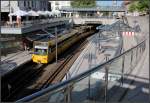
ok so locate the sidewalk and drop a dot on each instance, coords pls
(140, 92)
(14, 60)
(91, 56)
(136, 86)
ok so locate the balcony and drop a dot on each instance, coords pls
(29, 26)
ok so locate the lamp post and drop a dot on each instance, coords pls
(0, 42)
(56, 42)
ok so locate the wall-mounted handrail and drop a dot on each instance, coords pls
(79, 77)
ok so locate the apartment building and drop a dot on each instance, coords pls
(26, 5)
(56, 5)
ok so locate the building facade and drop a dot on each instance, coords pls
(56, 5)
(26, 5)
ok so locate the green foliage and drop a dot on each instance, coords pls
(132, 7)
(141, 6)
(83, 3)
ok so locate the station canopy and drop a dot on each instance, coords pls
(48, 13)
(98, 8)
(32, 13)
(41, 12)
(18, 13)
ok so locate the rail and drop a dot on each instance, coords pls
(68, 91)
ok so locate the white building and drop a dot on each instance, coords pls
(56, 5)
(26, 5)
(12, 6)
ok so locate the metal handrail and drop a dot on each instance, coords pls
(65, 84)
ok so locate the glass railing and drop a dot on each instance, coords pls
(96, 84)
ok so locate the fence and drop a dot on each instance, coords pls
(87, 86)
(30, 23)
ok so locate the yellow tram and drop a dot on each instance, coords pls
(44, 49)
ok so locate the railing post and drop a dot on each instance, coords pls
(89, 84)
(136, 55)
(68, 91)
(131, 58)
(106, 83)
(106, 77)
(122, 71)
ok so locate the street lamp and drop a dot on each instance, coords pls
(0, 44)
(56, 42)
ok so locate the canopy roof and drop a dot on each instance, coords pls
(41, 12)
(32, 13)
(48, 13)
(98, 8)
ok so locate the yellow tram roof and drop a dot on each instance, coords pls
(51, 41)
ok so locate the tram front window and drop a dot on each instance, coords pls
(39, 51)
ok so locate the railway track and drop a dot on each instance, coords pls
(31, 72)
(25, 77)
(62, 70)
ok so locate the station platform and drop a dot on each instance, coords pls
(94, 55)
(91, 57)
(14, 60)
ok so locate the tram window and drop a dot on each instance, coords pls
(49, 50)
(40, 51)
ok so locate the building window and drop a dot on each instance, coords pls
(35, 4)
(28, 3)
(56, 8)
(56, 3)
(24, 3)
(32, 4)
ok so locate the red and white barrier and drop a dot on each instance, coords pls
(128, 33)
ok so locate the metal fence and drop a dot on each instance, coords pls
(85, 87)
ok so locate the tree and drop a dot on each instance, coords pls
(141, 6)
(133, 7)
(83, 3)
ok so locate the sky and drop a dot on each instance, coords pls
(107, 3)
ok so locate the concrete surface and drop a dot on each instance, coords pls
(136, 86)
(12, 61)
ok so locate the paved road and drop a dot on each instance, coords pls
(140, 85)
(140, 92)
(136, 84)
